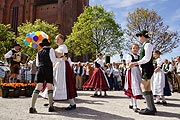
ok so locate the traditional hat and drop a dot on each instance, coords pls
(16, 44)
(45, 42)
(144, 33)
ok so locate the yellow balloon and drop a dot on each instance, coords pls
(38, 33)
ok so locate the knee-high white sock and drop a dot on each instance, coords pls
(96, 91)
(11, 80)
(134, 103)
(131, 102)
(157, 98)
(100, 92)
(72, 102)
(163, 98)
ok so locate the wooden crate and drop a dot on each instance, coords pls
(1, 81)
(0, 92)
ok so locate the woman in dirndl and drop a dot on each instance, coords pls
(98, 80)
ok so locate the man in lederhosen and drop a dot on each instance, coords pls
(146, 62)
(14, 58)
(44, 62)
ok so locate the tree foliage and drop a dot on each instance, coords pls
(143, 19)
(39, 25)
(95, 31)
(6, 39)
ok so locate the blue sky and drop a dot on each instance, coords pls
(169, 10)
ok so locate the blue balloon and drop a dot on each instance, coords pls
(26, 43)
(32, 35)
(28, 35)
(34, 45)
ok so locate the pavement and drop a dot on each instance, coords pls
(112, 107)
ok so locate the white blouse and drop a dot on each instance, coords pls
(62, 49)
(148, 53)
(129, 58)
(159, 62)
(100, 61)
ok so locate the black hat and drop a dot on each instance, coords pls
(144, 33)
(16, 44)
(45, 42)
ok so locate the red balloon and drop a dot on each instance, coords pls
(28, 39)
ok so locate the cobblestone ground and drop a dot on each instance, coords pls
(112, 107)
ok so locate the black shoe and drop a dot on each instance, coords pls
(32, 110)
(130, 107)
(51, 109)
(100, 95)
(46, 104)
(164, 102)
(105, 94)
(95, 95)
(147, 112)
(71, 107)
(136, 109)
(157, 102)
(155, 110)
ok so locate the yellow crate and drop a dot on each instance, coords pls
(1, 80)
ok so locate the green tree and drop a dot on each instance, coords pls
(95, 31)
(39, 25)
(6, 39)
(143, 19)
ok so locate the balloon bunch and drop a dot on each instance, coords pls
(34, 38)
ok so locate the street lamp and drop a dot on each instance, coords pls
(107, 56)
(121, 56)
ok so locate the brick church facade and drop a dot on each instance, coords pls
(61, 12)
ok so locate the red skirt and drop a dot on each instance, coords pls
(129, 92)
(70, 82)
(97, 81)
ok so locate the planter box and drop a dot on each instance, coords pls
(10, 92)
(29, 90)
(16, 92)
(17, 89)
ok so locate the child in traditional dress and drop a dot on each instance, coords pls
(133, 79)
(158, 79)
